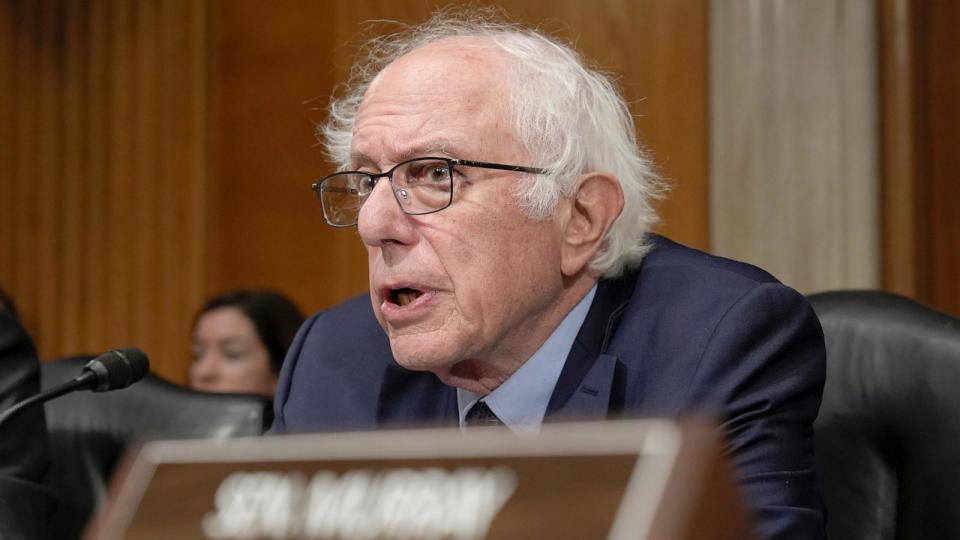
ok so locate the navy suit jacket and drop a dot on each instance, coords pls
(686, 333)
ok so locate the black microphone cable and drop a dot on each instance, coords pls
(113, 370)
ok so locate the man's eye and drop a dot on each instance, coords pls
(428, 173)
(365, 184)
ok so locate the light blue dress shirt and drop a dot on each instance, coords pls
(521, 401)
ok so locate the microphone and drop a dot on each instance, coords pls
(112, 370)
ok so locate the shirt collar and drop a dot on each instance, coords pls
(521, 401)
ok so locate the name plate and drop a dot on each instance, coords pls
(628, 479)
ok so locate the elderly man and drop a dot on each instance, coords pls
(498, 187)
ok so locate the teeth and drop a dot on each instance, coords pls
(405, 296)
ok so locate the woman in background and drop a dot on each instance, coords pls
(239, 341)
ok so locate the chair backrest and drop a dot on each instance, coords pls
(888, 433)
(88, 432)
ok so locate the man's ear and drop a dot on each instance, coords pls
(595, 205)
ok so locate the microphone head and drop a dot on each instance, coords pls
(118, 368)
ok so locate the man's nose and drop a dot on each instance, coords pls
(381, 221)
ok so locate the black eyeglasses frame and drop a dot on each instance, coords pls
(317, 187)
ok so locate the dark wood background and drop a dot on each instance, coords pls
(155, 153)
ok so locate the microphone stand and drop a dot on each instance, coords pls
(57, 391)
(113, 370)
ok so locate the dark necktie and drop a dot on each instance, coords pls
(481, 416)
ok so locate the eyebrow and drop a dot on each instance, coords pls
(435, 146)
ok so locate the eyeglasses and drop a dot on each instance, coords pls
(421, 185)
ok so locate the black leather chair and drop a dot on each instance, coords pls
(888, 434)
(90, 431)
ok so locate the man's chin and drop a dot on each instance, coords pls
(421, 359)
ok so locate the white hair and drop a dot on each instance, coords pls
(570, 118)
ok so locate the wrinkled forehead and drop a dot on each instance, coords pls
(455, 82)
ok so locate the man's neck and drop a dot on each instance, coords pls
(482, 376)
(522, 400)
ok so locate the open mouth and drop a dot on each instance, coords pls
(404, 296)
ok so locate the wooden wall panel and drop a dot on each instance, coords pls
(104, 230)
(275, 67)
(921, 166)
(272, 71)
(794, 173)
(939, 124)
(898, 165)
(8, 181)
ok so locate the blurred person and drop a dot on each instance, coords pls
(506, 209)
(239, 341)
(25, 503)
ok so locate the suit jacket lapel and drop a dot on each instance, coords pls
(588, 387)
